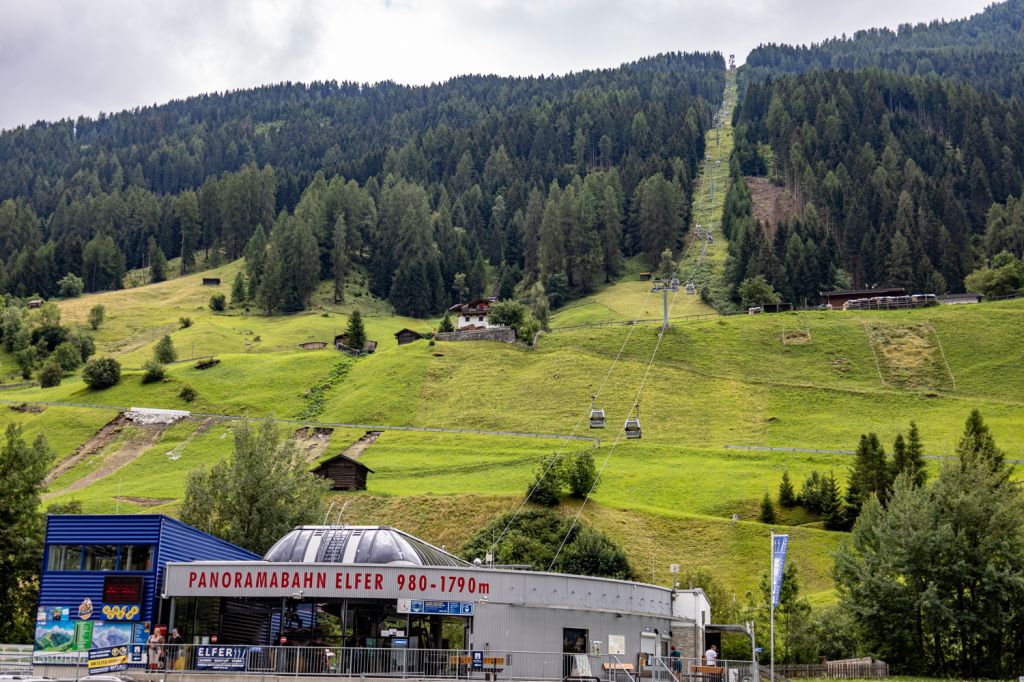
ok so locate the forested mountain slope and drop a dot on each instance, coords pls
(983, 50)
(549, 179)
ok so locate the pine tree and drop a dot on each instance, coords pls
(767, 513)
(339, 258)
(186, 210)
(832, 505)
(870, 476)
(238, 289)
(915, 456)
(157, 262)
(446, 324)
(787, 496)
(164, 351)
(356, 331)
(256, 261)
(977, 441)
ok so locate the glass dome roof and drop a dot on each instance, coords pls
(358, 545)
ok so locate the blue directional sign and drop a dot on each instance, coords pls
(442, 608)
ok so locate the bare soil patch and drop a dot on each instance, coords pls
(771, 204)
(314, 440)
(909, 356)
(360, 446)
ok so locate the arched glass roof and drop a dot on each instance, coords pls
(358, 545)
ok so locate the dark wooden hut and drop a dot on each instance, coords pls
(343, 472)
(211, 281)
(313, 345)
(405, 336)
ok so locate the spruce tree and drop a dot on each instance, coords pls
(787, 496)
(767, 513)
(446, 324)
(256, 261)
(157, 262)
(164, 351)
(238, 289)
(356, 331)
(832, 505)
(915, 456)
(977, 441)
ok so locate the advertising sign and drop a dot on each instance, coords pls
(211, 657)
(477, 660)
(780, 543)
(107, 660)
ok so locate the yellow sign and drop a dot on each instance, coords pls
(118, 656)
(120, 612)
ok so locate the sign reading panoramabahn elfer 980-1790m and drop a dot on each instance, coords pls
(326, 580)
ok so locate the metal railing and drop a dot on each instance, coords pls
(15, 658)
(454, 664)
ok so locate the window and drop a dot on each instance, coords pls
(100, 558)
(64, 558)
(481, 318)
(137, 557)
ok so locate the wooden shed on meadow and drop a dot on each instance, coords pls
(405, 336)
(313, 345)
(211, 281)
(343, 472)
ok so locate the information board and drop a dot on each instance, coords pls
(107, 660)
(436, 608)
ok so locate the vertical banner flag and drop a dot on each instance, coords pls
(779, 545)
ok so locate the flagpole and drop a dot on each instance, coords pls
(771, 601)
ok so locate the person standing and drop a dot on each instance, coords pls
(154, 649)
(174, 655)
(711, 655)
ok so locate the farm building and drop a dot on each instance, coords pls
(35, 303)
(405, 336)
(211, 281)
(343, 472)
(341, 343)
(472, 315)
(837, 298)
(645, 277)
(313, 345)
(960, 299)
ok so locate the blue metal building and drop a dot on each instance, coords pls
(101, 576)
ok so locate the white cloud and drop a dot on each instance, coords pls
(68, 57)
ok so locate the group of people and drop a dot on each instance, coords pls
(159, 656)
(710, 658)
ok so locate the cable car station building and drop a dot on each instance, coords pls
(378, 589)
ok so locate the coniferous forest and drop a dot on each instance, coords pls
(549, 179)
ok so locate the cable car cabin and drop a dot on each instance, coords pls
(632, 428)
(690, 289)
(596, 418)
(675, 284)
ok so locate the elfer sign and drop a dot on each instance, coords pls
(107, 660)
(221, 657)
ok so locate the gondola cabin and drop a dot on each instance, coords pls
(633, 427)
(596, 418)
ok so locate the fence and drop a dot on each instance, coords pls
(188, 660)
(836, 670)
(15, 658)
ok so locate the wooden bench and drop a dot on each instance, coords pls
(618, 668)
(709, 670)
(491, 663)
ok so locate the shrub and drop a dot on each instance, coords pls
(187, 393)
(96, 315)
(164, 351)
(154, 372)
(50, 374)
(546, 485)
(184, 322)
(102, 373)
(218, 302)
(68, 355)
(71, 286)
(581, 473)
(207, 363)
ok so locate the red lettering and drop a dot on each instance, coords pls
(348, 581)
(214, 579)
(337, 580)
(202, 579)
(307, 580)
(261, 580)
(238, 578)
(359, 579)
(321, 580)
(273, 580)
(366, 581)
(378, 582)
(295, 579)
(192, 578)
(284, 579)
(248, 580)
(226, 579)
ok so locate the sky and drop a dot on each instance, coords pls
(61, 58)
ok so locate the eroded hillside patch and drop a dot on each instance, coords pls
(909, 356)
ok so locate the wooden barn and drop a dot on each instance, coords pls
(313, 345)
(837, 298)
(341, 343)
(405, 336)
(343, 472)
(211, 281)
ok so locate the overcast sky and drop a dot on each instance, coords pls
(63, 58)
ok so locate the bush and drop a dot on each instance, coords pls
(102, 373)
(71, 286)
(164, 351)
(154, 372)
(184, 322)
(581, 473)
(68, 355)
(96, 315)
(50, 374)
(187, 393)
(546, 486)
(218, 303)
